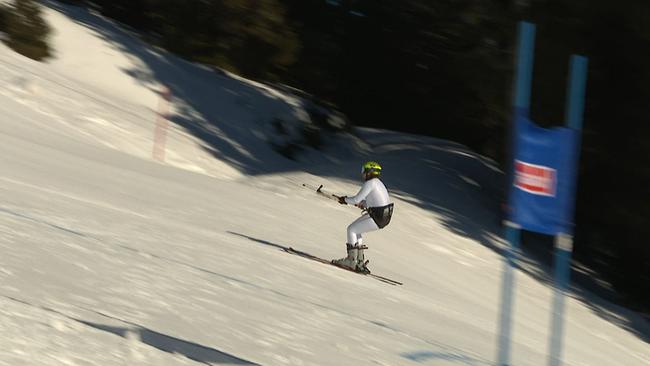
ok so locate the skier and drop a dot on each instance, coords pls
(378, 210)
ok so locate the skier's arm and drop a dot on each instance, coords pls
(361, 196)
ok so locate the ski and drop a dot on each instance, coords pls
(325, 261)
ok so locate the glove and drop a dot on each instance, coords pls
(342, 200)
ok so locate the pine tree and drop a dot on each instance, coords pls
(260, 42)
(27, 31)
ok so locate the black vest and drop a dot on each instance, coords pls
(381, 215)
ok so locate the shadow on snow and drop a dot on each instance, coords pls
(163, 342)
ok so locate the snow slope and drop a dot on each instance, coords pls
(111, 258)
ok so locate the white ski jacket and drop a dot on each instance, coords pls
(373, 193)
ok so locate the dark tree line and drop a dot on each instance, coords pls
(444, 68)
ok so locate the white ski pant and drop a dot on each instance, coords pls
(363, 224)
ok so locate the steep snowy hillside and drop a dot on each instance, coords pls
(112, 258)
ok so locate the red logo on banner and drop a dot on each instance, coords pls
(535, 179)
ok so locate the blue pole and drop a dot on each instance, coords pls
(513, 233)
(563, 250)
(563, 241)
(526, 55)
(521, 104)
(576, 92)
(523, 83)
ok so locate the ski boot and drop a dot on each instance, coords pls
(355, 260)
(362, 263)
(349, 262)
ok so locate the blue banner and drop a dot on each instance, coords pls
(544, 173)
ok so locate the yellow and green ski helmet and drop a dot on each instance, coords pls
(371, 168)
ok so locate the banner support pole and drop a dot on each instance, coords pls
(564, 241)
(523, 86)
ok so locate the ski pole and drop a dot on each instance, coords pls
(329, 195)
(320, 191)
